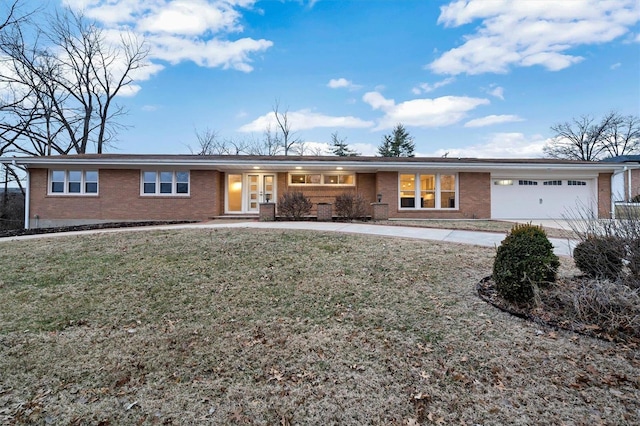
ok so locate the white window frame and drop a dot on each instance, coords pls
(65, 183)
(174, 184)
(322, 178)
(438, 191)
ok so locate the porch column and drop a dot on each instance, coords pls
(325, 212)
(267, 212)
(380, 211)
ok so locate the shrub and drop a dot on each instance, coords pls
(600, 256)
(350, 206)
(12, 211)
(633, 256)
(610, 305)
(524, 259)
(294, 205)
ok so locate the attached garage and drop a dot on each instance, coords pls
(541, 198)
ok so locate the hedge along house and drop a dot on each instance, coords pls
(82, 189)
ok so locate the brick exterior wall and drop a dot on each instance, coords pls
(474, 198)
(267, 212)
(365, 186)
(635, 182)
(325, 212)
(604, 195)
(119, 199)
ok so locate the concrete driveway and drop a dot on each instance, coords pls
(562, 247)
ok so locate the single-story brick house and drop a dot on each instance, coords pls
(95, 188)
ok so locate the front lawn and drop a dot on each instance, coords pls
(234, 326)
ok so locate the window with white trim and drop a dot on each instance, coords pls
(428, 191)
(73, 182)
(325, 178)
(527, 182)
(552, 183)
(576, 183)
(165, 182)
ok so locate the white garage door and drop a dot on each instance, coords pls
(541, 199)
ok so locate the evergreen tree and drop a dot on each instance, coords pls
(340, 147)
(398, 144)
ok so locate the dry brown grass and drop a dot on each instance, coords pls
(282, 327)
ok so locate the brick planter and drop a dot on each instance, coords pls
(380, 211)
(267, 212)
(325, 212)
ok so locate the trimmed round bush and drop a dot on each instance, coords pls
(600, 257)
(524, 259)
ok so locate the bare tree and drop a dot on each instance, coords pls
(283, 127)
(62, 84)
(210, 144)
(207, 142)
(623, 136)
(317, 151)
(301, 148)
(269, 145)
(587, 139)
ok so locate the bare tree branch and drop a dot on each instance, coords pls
(62, 84)
(586, 139)
(283, 126)
(623, 136)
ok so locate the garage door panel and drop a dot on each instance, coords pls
(532, 199)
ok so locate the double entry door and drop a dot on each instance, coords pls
(246, 191)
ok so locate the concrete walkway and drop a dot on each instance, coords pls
(562, 247)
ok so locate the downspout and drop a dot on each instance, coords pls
(629, 197)
(27, 200)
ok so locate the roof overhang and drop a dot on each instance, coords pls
(281, 163)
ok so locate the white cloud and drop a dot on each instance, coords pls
(338, 83)
(150, 108)
(305, 119)
(490, 120)
(499, 145)
(182, 30)
(192, 18)
(497, 91)
(615, 66)
(528, 33)
(209, 53)
(377, 101)
(365, 149)
(426, 87)
(436, 112)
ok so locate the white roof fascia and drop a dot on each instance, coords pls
(286, 165)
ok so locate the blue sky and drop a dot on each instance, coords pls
(478, 78)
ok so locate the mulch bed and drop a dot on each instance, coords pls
(111, 225)
(554, 310)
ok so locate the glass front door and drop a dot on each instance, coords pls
(245, 192)
(260, 190)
